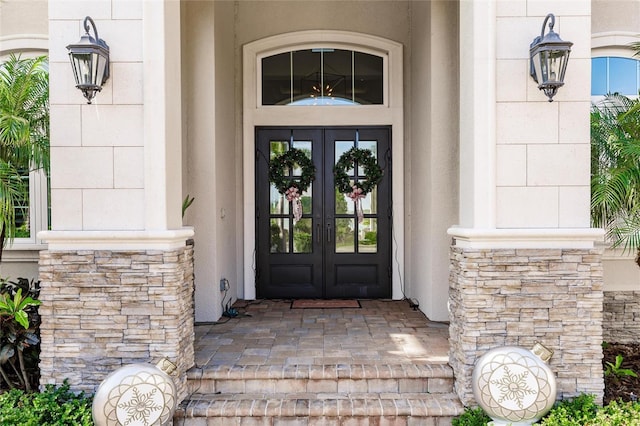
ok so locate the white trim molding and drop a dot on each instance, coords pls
(542, 238)
(613, 39)
(116, 240)
(18, 43)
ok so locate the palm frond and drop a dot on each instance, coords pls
(615, 169)
(12, 193)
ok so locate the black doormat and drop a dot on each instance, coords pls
(325, 304)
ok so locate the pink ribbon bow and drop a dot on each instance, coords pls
(293, 195)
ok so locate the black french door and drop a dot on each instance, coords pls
(328, 253)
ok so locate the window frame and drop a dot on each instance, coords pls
(324, 45)
(38, 181)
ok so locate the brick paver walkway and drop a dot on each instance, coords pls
(269, 332)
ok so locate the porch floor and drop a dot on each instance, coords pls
(269, 332)
(381, 364)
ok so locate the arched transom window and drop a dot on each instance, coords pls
(610, 74)
(322, 76)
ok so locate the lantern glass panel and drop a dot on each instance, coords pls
(550, 65)
(88, 68)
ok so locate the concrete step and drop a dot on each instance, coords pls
(314, 395)
(401, 378)
(303, 409)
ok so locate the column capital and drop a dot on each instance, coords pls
(116, 240)
(538, 238)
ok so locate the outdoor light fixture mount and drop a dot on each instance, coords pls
(90, 61)
(549, 57)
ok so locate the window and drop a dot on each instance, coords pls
(32, 214)
(615, 75)
(322, 76)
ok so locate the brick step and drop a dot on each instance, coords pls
(343, 378)
(326, 409)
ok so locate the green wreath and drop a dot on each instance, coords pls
(287, 160)
(360, 157)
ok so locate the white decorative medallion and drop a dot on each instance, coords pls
(136, 395)
(514, 386)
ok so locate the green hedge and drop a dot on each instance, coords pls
(579, 411)
(54, 406)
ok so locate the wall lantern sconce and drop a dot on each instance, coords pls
(90, 61)
(549, 57)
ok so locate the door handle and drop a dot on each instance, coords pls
(318, 233)
(329, 232)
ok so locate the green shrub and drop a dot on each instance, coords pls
(471, 417)
(19, 334)
(579, 411)
(572, 412)
(618, 414)
(54, 406)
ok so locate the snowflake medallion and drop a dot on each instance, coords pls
(513, 387)
(140, 405)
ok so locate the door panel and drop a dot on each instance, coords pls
(327, 253)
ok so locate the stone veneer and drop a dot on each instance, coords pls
(515, 297)
(621, 316)
(105, 309)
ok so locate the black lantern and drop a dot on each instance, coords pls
(549, 57)
(90, 61)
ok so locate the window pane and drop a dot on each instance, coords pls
(277, 148)
(279, 230)
(344, 205)
(371, 146)
(278, 203)
(304, 146)
(369, 204)
(368, 236)
(599, 76)
(345, 236)
(306, 74)
(367, 79)
(23, 228)
(337, 74)
(302, 236)
(341, 147)
(276, 79)
(623, 77)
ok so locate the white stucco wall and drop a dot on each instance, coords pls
(23, 27)
(97, 151)
(621, 15)
(212, 171)
(432, 160)
(543, 151)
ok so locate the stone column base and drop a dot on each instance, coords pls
(621, 316)
(102, 309)
(515, 297)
